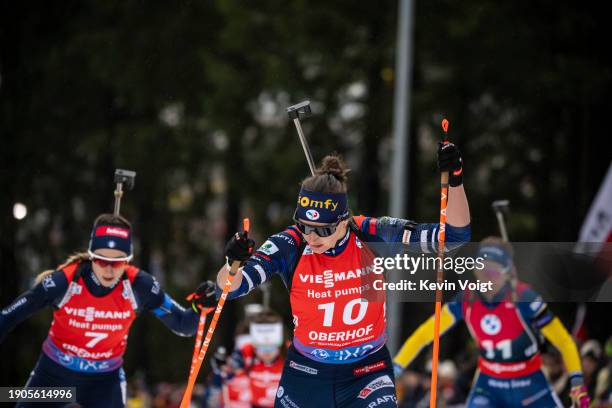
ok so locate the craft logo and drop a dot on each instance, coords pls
(327, 204)
(312, 215)
(490, 324)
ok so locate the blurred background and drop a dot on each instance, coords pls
(192, 96)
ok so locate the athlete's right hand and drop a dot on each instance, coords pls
(239, 248)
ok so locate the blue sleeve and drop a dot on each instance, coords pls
(150, 296)
(398, 230)
(277, 255)
(47, 293)
(456, 307)
(533, 308)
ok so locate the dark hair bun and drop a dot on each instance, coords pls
(333, 165)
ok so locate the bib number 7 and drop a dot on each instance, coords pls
(97, 337)
(347, 313)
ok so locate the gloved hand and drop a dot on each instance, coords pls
(239, 248)
(203, 297)
(449, 159)
(580, 397)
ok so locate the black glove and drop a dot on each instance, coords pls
(449, 159)
(239, 248)
(204, 296)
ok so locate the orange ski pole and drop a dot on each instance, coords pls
(439, 277)
(199, 336)
(211, 329)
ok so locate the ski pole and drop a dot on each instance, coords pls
(211, 329)
(439, 276)
(199, 336)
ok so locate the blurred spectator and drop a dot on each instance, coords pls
(137, 395)
(448, 389)
(554, 369)
(591, 355)
(411, 384)
(603, 387)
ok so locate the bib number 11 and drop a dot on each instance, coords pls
(347, 313)
(505, 346)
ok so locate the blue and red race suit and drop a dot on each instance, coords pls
(88, 336)
(339, 334)
(333, 323)
(508, 338)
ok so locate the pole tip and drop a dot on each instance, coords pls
(445, 125)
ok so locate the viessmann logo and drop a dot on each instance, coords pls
(327, 204)
(91, 313)
(329, 277)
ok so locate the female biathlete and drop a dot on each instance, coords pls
(338, 356)
(96, 296)
(507, 330)
(257, 364)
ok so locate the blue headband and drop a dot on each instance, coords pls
(326, 208)
(495, 254)
(111, 237)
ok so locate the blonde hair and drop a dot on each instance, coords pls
(76, 257)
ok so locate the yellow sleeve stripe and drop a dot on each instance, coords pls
(422, 336)
(556, 333)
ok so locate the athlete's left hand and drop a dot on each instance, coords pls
(204, 296)
(449, 159)
(580, 397)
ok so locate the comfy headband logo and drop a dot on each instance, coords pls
(328, 204)
(326, 208)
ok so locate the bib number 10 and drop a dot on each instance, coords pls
(347, 313)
